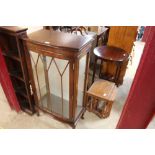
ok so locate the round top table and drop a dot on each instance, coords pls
(110, 54)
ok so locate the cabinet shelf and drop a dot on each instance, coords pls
(16, 76)
(13, 52)
(21, 92)
(56, 106)
(19, 87)
(12, 56)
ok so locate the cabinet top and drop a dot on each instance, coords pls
(13, 29)
(61, 40)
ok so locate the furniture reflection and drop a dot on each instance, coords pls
(113, 55)
(99, 35)
(58, 65)
(80, 29)
(68, 29)
(100, 97)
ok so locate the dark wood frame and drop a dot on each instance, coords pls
(73, 56)
(17, 33)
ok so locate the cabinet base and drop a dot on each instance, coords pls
(63, 120)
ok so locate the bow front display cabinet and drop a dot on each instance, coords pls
(58, 66)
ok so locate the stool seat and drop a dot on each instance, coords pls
(103, 89)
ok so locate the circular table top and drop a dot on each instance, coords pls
(111, 53)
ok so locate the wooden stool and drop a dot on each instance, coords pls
(100, 97)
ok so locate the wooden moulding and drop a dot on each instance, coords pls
(58, 53)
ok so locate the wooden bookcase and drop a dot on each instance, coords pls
(14, 55)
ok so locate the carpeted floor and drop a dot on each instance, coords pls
(10, 119)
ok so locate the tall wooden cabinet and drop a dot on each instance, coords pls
(14, 55)
(58, 65)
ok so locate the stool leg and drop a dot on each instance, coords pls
(95, 104)
(89, 103)
(92, 103)
(94, 70)
(107, 109)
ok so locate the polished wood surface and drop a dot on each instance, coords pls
(114, 55)
(103, 89)
(43, 42)
(101, 92)
(59, 40)
(122, 37)
(66, 47)
(14, 29)
(111, 53)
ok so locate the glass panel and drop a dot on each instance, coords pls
(52, 83)
(65, 80)
(81, 79)
(39, 76)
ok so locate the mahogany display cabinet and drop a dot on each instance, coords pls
(58, 65)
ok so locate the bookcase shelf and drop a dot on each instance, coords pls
(14, 55)
(12, 74)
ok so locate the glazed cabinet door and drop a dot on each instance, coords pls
(51, 76)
